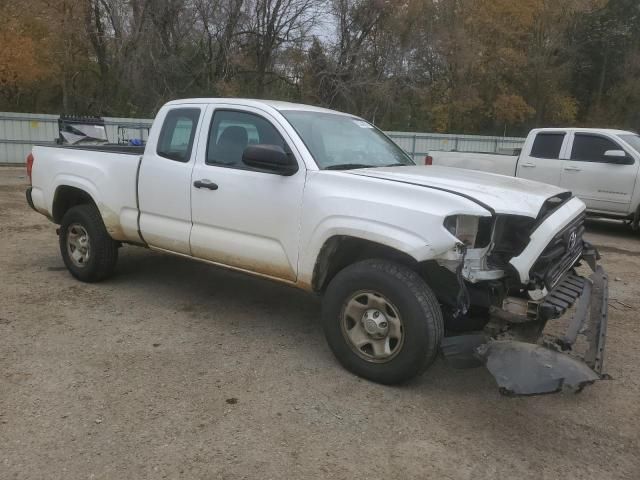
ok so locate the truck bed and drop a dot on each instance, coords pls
(108, 173)
(484, 162)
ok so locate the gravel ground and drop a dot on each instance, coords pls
(175, 369)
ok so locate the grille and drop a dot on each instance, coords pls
(562, 252)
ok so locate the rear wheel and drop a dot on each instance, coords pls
(382, 321)
(88, 251)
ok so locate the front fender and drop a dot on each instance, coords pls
(389, 235)
(407, 218)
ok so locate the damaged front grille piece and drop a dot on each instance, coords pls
(525, 362)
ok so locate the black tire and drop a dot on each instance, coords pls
(103, 249)
(410, 296)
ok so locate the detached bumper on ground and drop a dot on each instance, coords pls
(525, 365)
(522, 368)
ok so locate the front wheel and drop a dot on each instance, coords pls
(382, 321)
(87, 250)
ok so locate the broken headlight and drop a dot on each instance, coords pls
(474, 232)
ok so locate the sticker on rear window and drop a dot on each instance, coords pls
(362, 124)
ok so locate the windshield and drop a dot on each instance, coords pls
(633, 140)
(340, 142)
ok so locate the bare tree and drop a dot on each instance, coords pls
(270, 25)
(356, 21)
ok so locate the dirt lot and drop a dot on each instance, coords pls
(174, 369)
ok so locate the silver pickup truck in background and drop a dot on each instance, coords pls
(599, 166)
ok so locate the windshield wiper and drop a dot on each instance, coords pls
(397, 165)
(347, 166)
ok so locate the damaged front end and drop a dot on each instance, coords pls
(521, 308)
(554, 362)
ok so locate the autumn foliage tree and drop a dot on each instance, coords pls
(468, 66)
(20, 65)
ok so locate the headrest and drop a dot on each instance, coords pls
(234, 134)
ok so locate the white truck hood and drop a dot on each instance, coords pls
(503, 194)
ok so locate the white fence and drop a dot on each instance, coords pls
(19, 131)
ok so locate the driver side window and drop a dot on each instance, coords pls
(591, 148)
(232, 131)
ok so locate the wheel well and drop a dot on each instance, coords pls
(635, 220)
(67, 197)
(341, 251)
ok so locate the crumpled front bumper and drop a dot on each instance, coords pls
(554, 363)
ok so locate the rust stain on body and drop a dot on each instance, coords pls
(112, 223)
(261, 267)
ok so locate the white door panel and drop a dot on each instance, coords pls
(541, 159)
(600, 184)
(249, 222)
(252, 220)
(164, 185)
(165, 208)
(541, 170)
(166, 232)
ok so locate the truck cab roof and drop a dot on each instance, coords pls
(248, 102)
(610, 131)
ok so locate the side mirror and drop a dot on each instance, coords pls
(619, 157)
(271, 158)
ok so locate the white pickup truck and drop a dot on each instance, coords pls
(408, 259)
(599, 166)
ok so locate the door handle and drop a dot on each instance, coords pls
(572, 169)
(529, 165)
(205, 184)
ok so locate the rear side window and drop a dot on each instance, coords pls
(591, 148)
(177, 134)
(547, 145)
